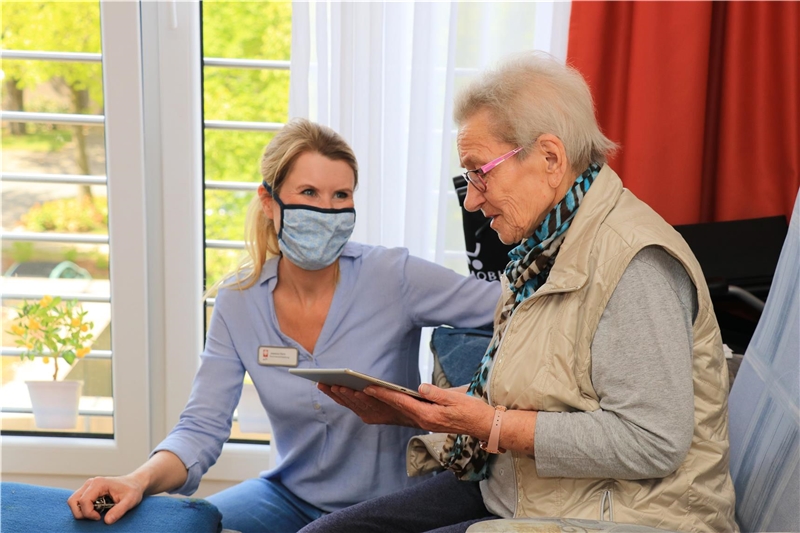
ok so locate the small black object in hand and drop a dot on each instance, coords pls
(103, 504)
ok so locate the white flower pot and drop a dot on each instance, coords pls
(252, 417)
(55, 403)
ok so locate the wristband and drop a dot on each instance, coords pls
(494, 435)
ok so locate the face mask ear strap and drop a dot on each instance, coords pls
(277, 199)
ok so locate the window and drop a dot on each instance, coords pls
(72, 189)
(55, 206)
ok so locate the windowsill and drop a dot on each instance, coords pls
(99, 423)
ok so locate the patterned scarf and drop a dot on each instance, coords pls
(529, 268)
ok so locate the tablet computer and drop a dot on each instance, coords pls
(344, 377)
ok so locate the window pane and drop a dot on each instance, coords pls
(229, 156)
(234, 155)
(247, 30)
(96, 404)
(61, 208)
(220, 263)
(31, 267)
(44, 86)
(54, 149)
(43, 267)
(93, 370)
(225, 213)
(246, 94)
(52, 26)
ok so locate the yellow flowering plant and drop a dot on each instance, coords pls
(52, 328)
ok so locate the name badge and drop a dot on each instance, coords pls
(277, 356)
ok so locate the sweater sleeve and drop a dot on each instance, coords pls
(642, 372)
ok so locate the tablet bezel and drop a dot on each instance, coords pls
(344, 377)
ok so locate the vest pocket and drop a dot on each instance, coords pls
(607, 505)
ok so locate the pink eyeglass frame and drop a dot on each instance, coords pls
(481, 172)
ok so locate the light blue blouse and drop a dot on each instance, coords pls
(326, 455)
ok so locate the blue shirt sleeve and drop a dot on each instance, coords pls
(435, 295)
(205, 423)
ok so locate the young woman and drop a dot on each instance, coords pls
(307, 298)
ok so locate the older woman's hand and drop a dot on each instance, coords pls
(449, 410)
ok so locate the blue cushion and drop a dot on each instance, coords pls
(459, 351)
(44, 509)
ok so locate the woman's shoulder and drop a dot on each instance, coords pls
(397, 258)
(236, 284)
(376, 255)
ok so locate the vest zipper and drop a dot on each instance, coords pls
(510, 318)
(496, 363)
(607, 502)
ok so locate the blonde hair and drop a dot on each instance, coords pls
(531, 94)
(297, 137)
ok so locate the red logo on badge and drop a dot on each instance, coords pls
(266, 353)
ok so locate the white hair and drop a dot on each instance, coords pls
(532, 93)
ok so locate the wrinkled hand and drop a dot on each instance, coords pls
(450, 411)
(124, 490)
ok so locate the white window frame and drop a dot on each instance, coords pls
(122, 85)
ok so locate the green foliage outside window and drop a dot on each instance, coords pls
(241, 30)
(234, 30)
(67, 215)
(57, 27)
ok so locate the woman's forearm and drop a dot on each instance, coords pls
(164, 471)
(517, 431)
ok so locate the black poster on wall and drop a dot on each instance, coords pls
(487, 257)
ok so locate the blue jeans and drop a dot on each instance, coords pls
(263, 506)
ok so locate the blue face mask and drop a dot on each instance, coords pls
(310, 237)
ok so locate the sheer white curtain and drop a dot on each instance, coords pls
(384, 75)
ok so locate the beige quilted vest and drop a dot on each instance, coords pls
(544, 364)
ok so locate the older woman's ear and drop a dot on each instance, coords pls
(555, 156)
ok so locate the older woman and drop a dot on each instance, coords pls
(310, 298)
(603, 392)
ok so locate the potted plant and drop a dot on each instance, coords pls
(53, 329)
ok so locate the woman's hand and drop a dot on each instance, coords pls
(369, 409)
(449, 410)
(163, 471)
(126, 491)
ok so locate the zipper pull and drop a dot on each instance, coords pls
(607, 500)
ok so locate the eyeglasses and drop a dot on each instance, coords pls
(477, 177)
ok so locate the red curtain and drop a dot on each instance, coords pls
(704, 99)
